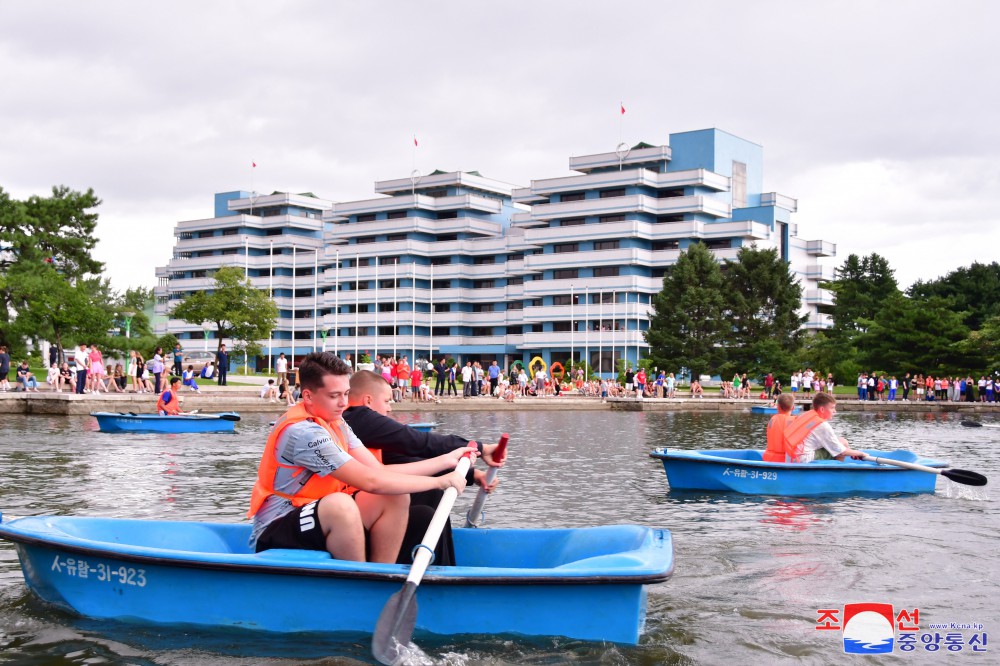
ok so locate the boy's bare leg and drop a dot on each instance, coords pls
(342, 527)
(385, 518)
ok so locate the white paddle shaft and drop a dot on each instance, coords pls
(423, 557)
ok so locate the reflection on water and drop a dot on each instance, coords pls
(750, 571)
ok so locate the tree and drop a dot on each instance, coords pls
(46, 285)
(236, 309)
(688, 326)
(986, 341)
(860, 288)
(974, 290)
(764, 301)
(919, 335)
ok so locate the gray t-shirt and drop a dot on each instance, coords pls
(303, 444)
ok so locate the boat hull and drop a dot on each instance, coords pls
(146, 423)
(586, 584)
(744, 471)
(763, 409)
(424, 427)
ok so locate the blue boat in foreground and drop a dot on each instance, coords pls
(744, 471)
(587, 583)
(144, 423)
(766, 409)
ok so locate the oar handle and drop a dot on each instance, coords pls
(472, 518)
(900, 463)
(422, 559)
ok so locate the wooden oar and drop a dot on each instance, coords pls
(399, 615)
(956, 475)
(977, 424)
(475, 514)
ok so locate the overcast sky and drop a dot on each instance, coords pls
(879, 117)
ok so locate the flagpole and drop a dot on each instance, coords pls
(586, 332)
(270, 295)
(357, 307)
(413, 315)
(395, 314)
(246, 276)
(600, 333)
(375, 350)
(292, 360)
(430, 318)
(614, 327)
(336, 307)
(315, 296)
(572, 330)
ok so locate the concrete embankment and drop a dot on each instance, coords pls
(246, 399)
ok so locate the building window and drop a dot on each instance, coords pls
(385, 307)
(560, 248)
(560, 326)
(519, 256)
(666, 245)
(388, 284)
(565, 273)
(228, 250)
(739, 185)
(482, 331)
(442, 307)
(513, 330)
(231, 231)
(395, 214)
(606, 245)
(664, 219)
(516, 280)
(573, 196)
(437, 193)
(441, 284)
(536, 328)
(479, 261)
(444, 238)
(483, 284)
(447, 215)
(515, 305)
(561, 299)
(482, 307)
(605, 219)
(395, 237)
(606, 271)
(272, 232)
(441, 261)
(616, 192)
(603, 297)
(387, 330)
(718, 243)
(669, 194)
(441, 331)
(367, 217)
(572, 222)
(304, 271)
(388, 261)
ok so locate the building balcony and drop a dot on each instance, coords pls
(818, 322)
(820, 272)
(541, 190)
(632, 203)
(440, 180)
(474, 202)
(821, 248)
(309, 224)
(818, 297)
(780, 201)
(587, 163)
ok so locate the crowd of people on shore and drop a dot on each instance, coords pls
(916, 387)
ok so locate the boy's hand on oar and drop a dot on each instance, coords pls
(490, 456)
(482, 478)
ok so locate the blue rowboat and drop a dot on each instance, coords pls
(141, 423)
(744, 471)
(587, 583)
(764, 409)
(424, 427)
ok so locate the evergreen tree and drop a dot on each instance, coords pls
(974, 290)
(688, 327)
(862, 284)
(764, 300)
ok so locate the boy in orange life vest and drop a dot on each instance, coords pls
(775, 451)
(319, 488)
(810, 436)
(169, 404)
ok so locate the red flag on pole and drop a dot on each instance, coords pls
(253, 165)
(415, 140)
(623, 107)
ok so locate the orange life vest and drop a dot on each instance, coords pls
(775, 451)
(173, 406)
(796, 431)
(317, 486)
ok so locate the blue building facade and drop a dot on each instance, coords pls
(460, 265)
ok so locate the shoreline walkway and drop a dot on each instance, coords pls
(246, 398)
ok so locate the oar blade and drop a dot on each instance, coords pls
(229, 416)
(964, 476)
(972, 424)
(395, 625)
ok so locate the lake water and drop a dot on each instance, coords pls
(751, 572)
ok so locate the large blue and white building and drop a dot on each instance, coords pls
(457, 264)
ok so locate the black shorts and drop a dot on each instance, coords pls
(299, 529)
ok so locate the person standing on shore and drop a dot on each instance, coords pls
(156, 368)
(80, 360)
(222, 362)
(178, 359)
(281, 368)
(4, 369)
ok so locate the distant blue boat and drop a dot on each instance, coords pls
(744, 471)
(587, 583)
(765, 409)
(145, 423)
(424, 427)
